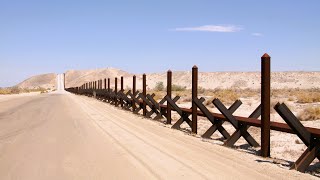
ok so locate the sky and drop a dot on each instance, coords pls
(143, 36)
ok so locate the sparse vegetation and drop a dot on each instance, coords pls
(301, 95)
(308, 97)
(176, 87)
(201, 90)
(159, 86)
(227, 96)
(310, 113)
(16, 90)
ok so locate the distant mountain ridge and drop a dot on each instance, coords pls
(47, 81)
(208, 80)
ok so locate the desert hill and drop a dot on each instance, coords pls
(208, 80)
(78, 77)
(47, 81)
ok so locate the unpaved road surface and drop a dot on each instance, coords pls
(64, 136)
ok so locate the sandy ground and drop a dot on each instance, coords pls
(64, 136)
(14, 96)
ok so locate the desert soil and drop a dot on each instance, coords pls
(64, 136)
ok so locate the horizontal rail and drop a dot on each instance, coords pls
(276, 126)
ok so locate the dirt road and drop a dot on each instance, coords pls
(63, 136)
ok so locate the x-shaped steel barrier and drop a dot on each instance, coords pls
(241, 129)
(216, 123)
(184, 116)
(313, 143)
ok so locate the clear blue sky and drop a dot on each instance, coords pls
(152, 36)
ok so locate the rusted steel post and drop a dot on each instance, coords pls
(105, 83)
(134, 89)
(169, 94)
(144, 93)
(265, 105)
(194, 96)
(121, 88)
(116, 91)
(108, 89)
(108, 84)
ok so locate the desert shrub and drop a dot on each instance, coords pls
(201, 90)
(159, 86)
(308, 97)
(176, 87)
(15, 90)
(184, 93)
(4, 91)
(290, 99)
(227, 96)
(309, 113)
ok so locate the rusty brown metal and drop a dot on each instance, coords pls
(134, 91)
(144, 93)
(121, 88)
(105, 83)
(108, 98)
(169, 94)
(116, 91)
(265, 105)
(309, 136)
(194, 96)
(108, 84)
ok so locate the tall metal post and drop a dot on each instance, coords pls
(194, 95)
(116, 91)
(108, 89)
(169, 94)
(144, 92)
(265, 105)
(121, 88)
(134, 89)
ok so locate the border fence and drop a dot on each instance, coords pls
(136, 101)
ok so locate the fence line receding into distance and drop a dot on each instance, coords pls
(135, 101)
